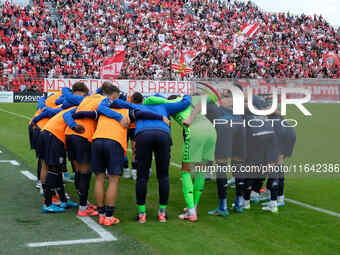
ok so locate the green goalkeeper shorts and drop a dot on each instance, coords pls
(199, 142)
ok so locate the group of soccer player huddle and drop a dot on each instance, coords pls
(93, 131)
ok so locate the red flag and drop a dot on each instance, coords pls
(112, 66)
(166, 48)
(185, 60)
(187, 56)
(229, 49)
(250, 29)
(229, 67)
(331, 59)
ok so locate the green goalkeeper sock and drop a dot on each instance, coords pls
(141, 208)
(187, 187)
(198, 187)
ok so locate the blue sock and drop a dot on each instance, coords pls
(223, 204)
(126, 162)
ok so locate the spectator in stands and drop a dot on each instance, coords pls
(286, 46)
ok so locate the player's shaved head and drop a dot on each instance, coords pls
(137, 98)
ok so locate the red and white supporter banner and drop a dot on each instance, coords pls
(146, 87)
(250, 29)
(112, 65)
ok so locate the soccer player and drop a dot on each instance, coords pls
(261, 152)
(136, 98)
(35, 127)
(230, 144)
(52, 142)
(108, 149)
(79, 144)
(286, 141)
(153, 136)
(198, 147)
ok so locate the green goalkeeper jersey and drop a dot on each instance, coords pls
(199, 138)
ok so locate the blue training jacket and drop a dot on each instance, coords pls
(162, 109)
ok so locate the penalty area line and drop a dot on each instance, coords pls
(105, 236)
(29, 175)
(313, 207)
(12, 162)
(67, 242)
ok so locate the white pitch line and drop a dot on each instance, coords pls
(15, 114)
(67, 242)
(12, 162)
(29, 175)
(313, 207)
(105, 236)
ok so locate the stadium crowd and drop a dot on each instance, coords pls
(32, 43)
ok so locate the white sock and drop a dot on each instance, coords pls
(82, 208)
(281, 199)
(246, 203)
(241, 201)
(274, 203)
(192, 211)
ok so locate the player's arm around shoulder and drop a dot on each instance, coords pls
(69, 120)
(173, 108)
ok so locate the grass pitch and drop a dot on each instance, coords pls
(296, 230)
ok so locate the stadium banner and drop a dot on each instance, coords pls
(323, 90)
(6, 97)
(146, 87)
(24, 97)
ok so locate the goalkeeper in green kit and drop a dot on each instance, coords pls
(198, 149)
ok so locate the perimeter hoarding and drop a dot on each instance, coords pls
(322, 90)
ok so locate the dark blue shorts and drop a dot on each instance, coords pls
(51, 149)
(31, 137)
(78, 149)
(34, 137)
(131, 134)
(107, 155)
(262, 149)
(288, 143)
(231, 142)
